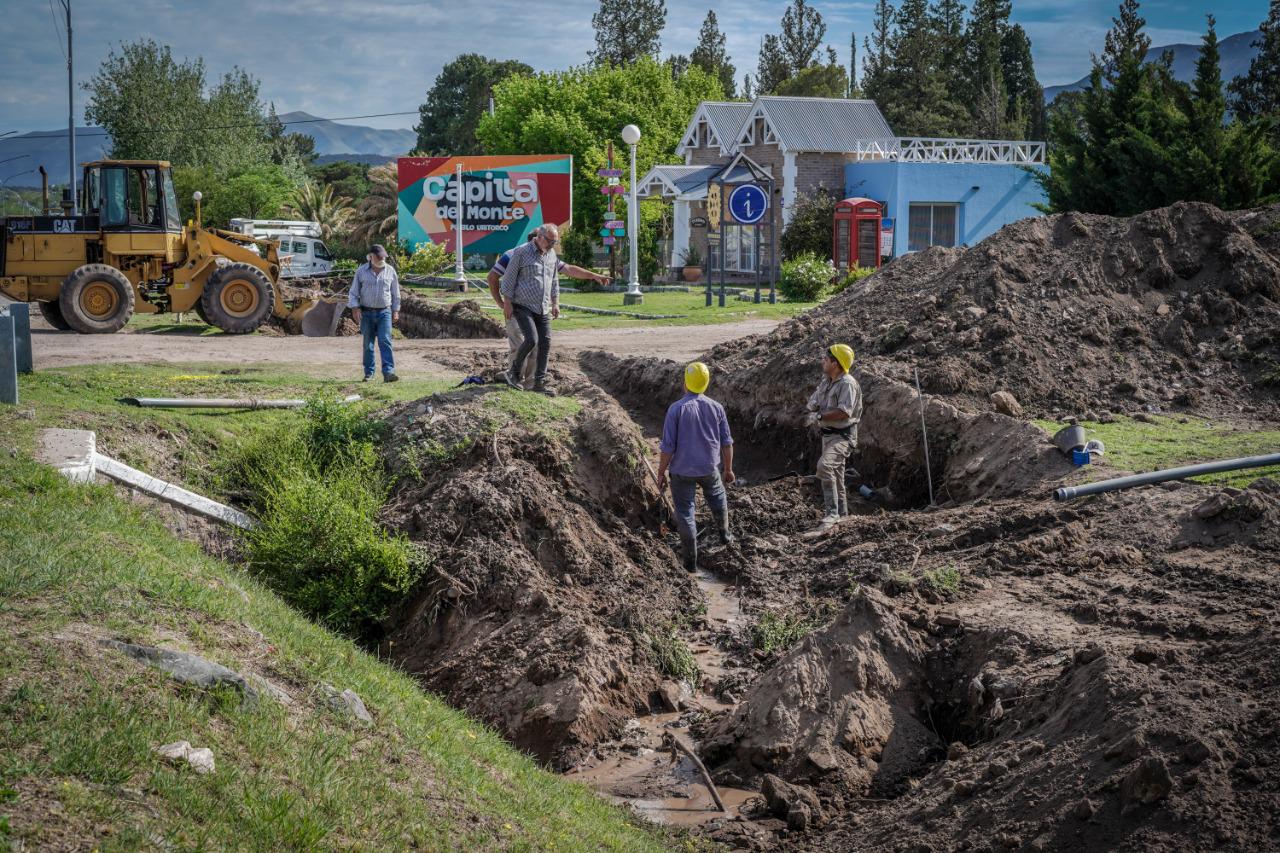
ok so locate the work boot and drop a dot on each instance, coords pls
(831, 513)
(541, 388)
(722, 527)
(844, 506)
(391, 377)
(510, 380)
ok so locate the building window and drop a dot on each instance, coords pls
(932, 225)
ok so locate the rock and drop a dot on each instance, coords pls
(271, 689)
(1212, 507)
(1162, 309)
(798, 817)
(782, 798)
(1088, 654)
(1145, 784)
(974, 313)
(822, 759)
(957, 751)
(996, 769)
(947, 620)
(179, 752)
(187, 668)
(964, 787)
(346, 702)
(1006, 404)
(669, 693)
(1084, 809)
(1128, 749)
(1145, 653)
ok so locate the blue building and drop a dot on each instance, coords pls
(934, 192)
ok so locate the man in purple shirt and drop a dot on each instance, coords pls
(695, 437)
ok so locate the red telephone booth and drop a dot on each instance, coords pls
(856, 234)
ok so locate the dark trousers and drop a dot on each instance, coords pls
(536, 329)
(684, 491)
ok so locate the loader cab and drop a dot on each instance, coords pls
(133, 196)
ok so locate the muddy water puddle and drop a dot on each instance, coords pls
(639, 770)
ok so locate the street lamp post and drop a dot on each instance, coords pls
(633, 296)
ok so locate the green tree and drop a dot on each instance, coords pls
(876, 65)
(802, 32)
(710, 54)
(156, 108)
(817, 81)
(988, 89)
(854, 92)
(457, 99)
(1025, 107)
(1257, 93)
(346, 177)
(915, 85)
(1137, 139)
(314, 203)
(376, 215)
(580, 110)
(627, 30)
(772, 69)
(256, 193)
(809, 230)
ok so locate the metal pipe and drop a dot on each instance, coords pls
(44, 192)
(218, 403)
(924, 429)
(1066, 493)
(71, 113)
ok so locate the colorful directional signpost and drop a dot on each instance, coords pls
(613, 187)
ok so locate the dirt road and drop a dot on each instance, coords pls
(60, 349)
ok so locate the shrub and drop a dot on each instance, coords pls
(691, 257)
(334, 430)
(577, 248)
(774, 632)
(427, 259)
(345, 265)
(318, 544)
(809, 231)
(806, 278)
(855, 275)
(671, 656)
(943, 580)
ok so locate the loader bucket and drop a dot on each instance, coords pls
(316, 318)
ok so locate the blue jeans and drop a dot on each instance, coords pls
(375, 323)
(536, 329)
(684, 491)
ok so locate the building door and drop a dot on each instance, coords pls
(931, 225)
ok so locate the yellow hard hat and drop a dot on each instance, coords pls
(842, 353)
(697, 377)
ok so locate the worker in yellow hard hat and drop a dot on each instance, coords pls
(696, 445)
(835, 409)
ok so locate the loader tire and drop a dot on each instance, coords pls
(96, 299)
(237, 298)
(53, 316)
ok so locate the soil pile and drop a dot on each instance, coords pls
(544, 599)
(1098, 674)
(1173, 309)
(421, 318)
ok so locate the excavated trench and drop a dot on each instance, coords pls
(555, 592)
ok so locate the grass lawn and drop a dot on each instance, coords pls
(691, 305)
(1142, 447)
(78, 721)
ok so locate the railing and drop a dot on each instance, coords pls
(916, 149)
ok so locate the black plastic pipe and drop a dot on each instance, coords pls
(1066, 493)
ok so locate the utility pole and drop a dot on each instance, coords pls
(71, 114)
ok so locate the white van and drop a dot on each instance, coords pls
(302, 252)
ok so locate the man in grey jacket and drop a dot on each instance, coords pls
(374, 301)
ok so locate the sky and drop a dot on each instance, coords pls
(336, 59)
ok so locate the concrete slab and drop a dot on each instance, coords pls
(72, 451)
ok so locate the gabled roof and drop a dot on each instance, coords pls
(813, 124)
(690, 182)
(723, 118)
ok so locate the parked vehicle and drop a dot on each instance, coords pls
(302, 252)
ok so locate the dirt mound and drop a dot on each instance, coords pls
(1176, 308)
(971, 456)
(543, 599)
(1094, 675)
(421, 318)
(843, 706)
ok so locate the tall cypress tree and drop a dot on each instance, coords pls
(1026, 95)
(802, 32)
(1257, 93)
(627, 30)
(876, 63)
(917, 103)
(710, 54)
(772, 69)
(988, 91)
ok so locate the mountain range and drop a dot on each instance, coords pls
(334, 141)
(1237, 52)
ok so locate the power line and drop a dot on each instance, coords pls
(158, 130)
(56, 31)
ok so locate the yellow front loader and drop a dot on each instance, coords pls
(128, 251)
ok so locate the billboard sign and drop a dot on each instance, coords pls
(503, 199)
